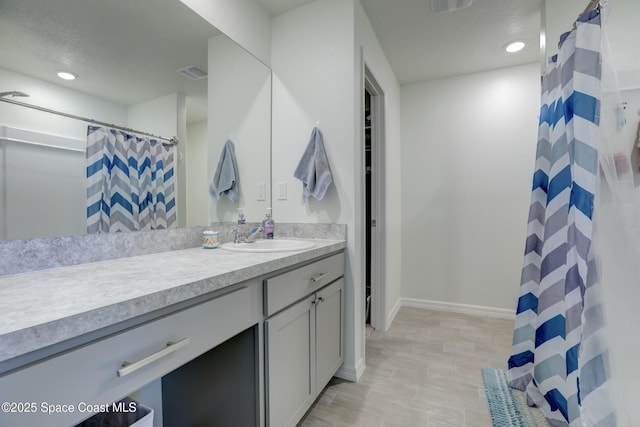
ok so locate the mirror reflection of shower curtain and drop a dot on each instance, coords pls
(130, 182)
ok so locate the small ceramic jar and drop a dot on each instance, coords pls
(210, 239)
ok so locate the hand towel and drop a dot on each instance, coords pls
(313, 169)
(225, 180)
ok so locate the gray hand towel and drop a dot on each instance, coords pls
(225, 180)
(313, 169)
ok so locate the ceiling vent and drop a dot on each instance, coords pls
(193, 72)
(444, 6)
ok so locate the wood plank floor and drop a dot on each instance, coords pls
(424, 371)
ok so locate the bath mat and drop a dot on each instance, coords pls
(507, 406)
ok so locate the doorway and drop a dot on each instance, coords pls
(373, 147)
(367, 204)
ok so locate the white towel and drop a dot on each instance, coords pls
(313, 169)
(225, 180)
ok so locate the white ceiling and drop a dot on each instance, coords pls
(423, 46)
(41, 37)
(123, 51)
(277, 7)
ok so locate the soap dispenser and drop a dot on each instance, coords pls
(268, 225)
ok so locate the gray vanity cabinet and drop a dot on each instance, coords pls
(303, 337)
(63, 390)
(290, 356)
(277, 336)
(329, 327)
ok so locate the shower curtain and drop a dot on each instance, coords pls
(130, 182)
(560, 357)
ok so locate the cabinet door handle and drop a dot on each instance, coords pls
(319, 277)
(129, 367)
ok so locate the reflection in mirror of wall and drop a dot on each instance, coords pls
(127, 61)
(240, 110)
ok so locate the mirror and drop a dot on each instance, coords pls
(126, 56)
(240, 111)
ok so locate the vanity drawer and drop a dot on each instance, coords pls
(94, 374)
(285, 289)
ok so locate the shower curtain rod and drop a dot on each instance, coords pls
(592, 5)
(173, 140)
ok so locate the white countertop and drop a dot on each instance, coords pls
(46, 307)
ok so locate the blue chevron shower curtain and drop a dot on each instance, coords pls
(130, 182)
(559, 354)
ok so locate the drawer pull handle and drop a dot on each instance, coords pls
(319, 277)
(317, 301)
(129, 367)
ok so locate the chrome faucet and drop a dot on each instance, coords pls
(240, 236)
(254, 234)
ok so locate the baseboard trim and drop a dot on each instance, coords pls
(476, 310)
(392, 314)
(350, 373)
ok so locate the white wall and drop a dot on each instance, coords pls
(42, 187)
(325, 84)
(158, 116)
(467, 161)
(244, 21)
(55, 97)
(56, 176)
(197, 175)
(312, 81)
(313, 66)
(379, 66)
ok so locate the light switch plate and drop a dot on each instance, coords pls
(282, 191)
(262, 191)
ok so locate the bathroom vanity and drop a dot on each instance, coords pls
(303, 349)
(181, 331)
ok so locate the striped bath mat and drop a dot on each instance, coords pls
(508, 407)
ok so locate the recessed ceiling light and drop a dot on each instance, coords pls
(444, 6)
(514, 47)
(65, 75)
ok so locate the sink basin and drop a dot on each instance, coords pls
(272, 245)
